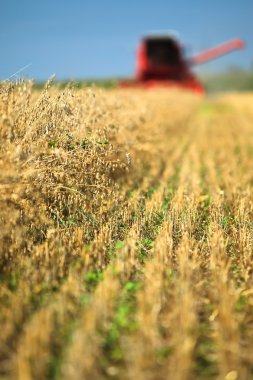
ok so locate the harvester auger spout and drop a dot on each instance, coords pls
(217, 51)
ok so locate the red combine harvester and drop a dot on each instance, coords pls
(161, 63)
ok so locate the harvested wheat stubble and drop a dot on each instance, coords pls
(126, 234)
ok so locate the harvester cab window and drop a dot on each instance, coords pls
(163, 52)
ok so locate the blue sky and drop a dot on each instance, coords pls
(97, 38)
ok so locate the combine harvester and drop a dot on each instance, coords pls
(160, 62)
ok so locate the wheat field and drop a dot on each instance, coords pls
(126, 234)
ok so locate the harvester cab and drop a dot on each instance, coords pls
(159, 58)
(160, 62)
